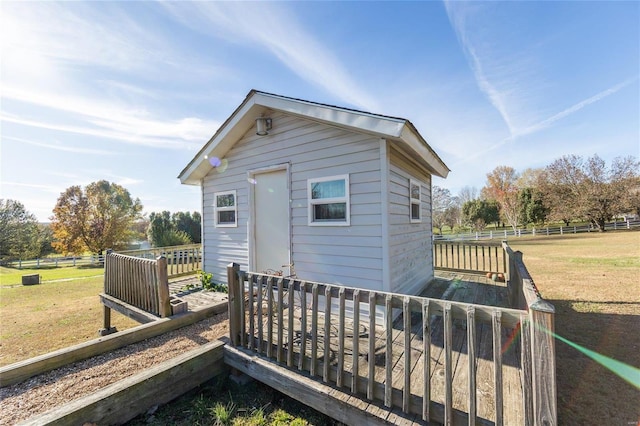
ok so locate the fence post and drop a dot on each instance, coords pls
(543, 363)
(235, 302)
(164, 302)
(560, 230)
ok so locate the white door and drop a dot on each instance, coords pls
(271, 222)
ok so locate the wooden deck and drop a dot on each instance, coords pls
(468, 350)
(476, 289)
(340, 355)
(196, 298)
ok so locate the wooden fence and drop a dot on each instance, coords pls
(135, 287)
(314, 339)
(181, 260)
(540, 231)
(477, 257)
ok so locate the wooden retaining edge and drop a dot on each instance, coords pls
(20, 371)
(310, 392)
(125, 399)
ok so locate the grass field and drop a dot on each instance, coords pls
(41, 318)
(13, 276)
(593, 280)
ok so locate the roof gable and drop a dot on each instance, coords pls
(258, 103)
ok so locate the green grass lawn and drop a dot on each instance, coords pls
(593, 280)
(13, 276)
(37, 319)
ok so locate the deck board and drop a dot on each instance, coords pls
(448, 286)
(195, 297)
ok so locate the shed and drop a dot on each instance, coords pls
(325, 193)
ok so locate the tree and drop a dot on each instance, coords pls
(532, 209)
(502, 187)
(189, 223)
(19, 232)
(441, 201)
(164, 229)
(94, 219)
(45, 239)
(467, 193)
(560, 187)
(478, 213)
(575, 189)
(453, 214)
(139, 229)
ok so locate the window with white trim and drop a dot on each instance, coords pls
(415, 212)
(225, 209)
(329, 201)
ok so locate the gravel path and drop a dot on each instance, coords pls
(48, 390)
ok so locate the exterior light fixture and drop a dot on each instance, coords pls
(263, 125)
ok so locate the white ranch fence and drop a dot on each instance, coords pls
(541, 231)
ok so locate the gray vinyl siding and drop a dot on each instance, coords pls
(410, 244)
(348, 255)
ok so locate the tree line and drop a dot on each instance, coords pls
(104, 215)
(569, 189)
(99, 216)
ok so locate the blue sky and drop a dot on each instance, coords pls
(130, 91)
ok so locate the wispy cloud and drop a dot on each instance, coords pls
(58, 147)
(459, 14)
(274, 27)
(137, 139)
(78, 34)
(510, 76)
(114, 121)
(575, 108)
(47, 49)
(48, 188)
(544, 124)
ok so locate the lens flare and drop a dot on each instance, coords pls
(625, 371)
(222, 166)
(215, 161)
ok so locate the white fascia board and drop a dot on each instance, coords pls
(420, 147)
(227, 135)
(258, 102)
(335, 116)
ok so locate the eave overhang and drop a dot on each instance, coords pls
(256, 104)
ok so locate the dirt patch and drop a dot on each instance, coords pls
(48, 390)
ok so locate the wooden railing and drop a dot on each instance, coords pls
(135, 287)
(469, 256)
(181, 260)
(539, 368)
(328, 332)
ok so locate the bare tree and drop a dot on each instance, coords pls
(575, 189)
(502, 187)
(468, 193)
(440, 202)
